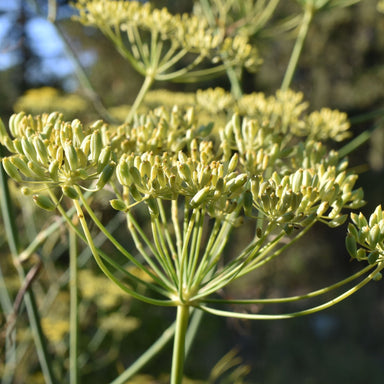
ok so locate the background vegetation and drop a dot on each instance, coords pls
(342, 67)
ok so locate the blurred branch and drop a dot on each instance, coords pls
(85, 83)
(81, 74)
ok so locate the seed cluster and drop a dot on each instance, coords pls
(246, 166)
(185, 33)
(365, 239)
(50, 152)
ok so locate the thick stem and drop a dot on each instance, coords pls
(306, 21)
(74, 305)
(235, 81)
(179, 344)
(149, 79)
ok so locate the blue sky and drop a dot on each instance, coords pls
(45, 42)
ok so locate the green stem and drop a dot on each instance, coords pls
(159, 344)
(147, 356)
(100, 239)
(104, 268)
(321, 307)
(161, 280)
(306, 21)
(74, 306)
(149, 79)
(289, 299)
(178, 356)
(234, 79)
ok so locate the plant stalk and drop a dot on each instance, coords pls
(149, 79)
(74, 306)
(306, 21)
(178, 356)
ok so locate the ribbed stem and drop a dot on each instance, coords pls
(74, 305)
(149, 79)
(179, 344)
(306, 21)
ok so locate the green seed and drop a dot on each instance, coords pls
(70, 155)
(351, 245)
(153, 207)
(22, 165)
(372, 257)
(44, 202)
(106, 175)
(118, 204)
(70, 192)
(199, 197)
(11, 169)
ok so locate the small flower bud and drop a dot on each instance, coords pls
(21, 163)
(104, 158)
(145, 169)
(233, 163)
(372, 257)
(14, 122)
(118, 204)
(18, 146)
(53, 170)
(374, 235)
(70, 155)
(199, 197)
(123, 174)
(135, 175)
(8, 143)
(70, 192)
(286, 217)
(236, 183)
(11, 169)
(184, 172)
(26, 191)
(351, 245)
(378, 276)
(297, 180)
(322, 208)
(82, 160)
(338, 221)
(37, 169)
(105, 175)
(135, 193)
(360, 255)
(44, 202)
(352, 230)
(96, 146)
(28, 149)
(41, 150)
(153, 207)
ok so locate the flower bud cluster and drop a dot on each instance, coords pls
(202, 181)
(306, 195)
(164, 155)
(214, 100)
(324, 124)
(48, 151)
(280, 113)
(157, 131)
(365, 239)
(186, 32)
(268, 139)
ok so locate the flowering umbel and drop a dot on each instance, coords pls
(253, 168)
